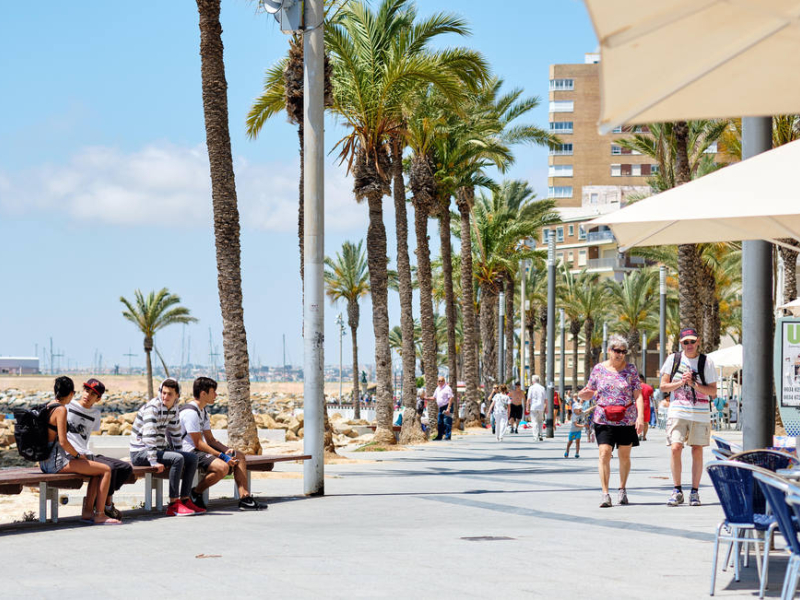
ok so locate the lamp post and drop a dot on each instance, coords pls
(644, 354)
(563, 411)
(662, 315)
(501, 363)
(605, 341)
(524, 264)
(551, 330)
(340, 323)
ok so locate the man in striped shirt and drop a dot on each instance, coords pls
(156, 441)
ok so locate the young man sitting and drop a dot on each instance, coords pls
(212, 455)
(83, 417)
(156, 431)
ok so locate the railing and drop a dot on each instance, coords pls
(603, 263)
(599, 236)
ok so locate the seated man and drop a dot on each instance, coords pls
(83, 417)
(212, 455)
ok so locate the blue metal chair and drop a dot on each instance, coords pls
(772, 460)
(776, 490)
(793, 568)
(726, 446)
(734, 484)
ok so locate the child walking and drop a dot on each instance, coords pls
(576, 426)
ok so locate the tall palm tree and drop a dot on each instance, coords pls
(635, 304)
(242, 430)
(378, 58)
(568, 298)
(593, 303)
(152, 313)
(347, 278)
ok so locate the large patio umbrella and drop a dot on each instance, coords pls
(675, 60)
(756, 199)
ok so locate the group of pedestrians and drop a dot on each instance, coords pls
(164, 436)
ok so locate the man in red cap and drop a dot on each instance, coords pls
(691, 379)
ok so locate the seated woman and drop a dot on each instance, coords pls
(64, 458)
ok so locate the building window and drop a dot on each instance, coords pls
(654, 169)
(616, 170)
(561, 150)
(571, 256)
(560, 257)
(571, 230)
(559, 191)
(645, 170)
(626, 170)
(545, 233)
(562, 106)
(593, 198)
(636, 170)
(617, 150)
(581, 232)
(617, 129)
(560, 171)
(562, 85)
(561, 127)
(581, 258)
(559, 234)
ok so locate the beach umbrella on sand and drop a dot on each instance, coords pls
(714, 58)
(756, 199)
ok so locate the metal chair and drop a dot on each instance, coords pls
(772, 460)
(720, 454)
(776, 490)
(734, 484)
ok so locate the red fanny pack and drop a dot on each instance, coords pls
(614, 412)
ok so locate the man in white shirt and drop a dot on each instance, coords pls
(691, 379)
(212, 455)
(536, 403)
(444, 400)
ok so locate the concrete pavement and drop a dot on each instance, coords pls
(470, 518)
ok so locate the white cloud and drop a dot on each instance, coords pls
(166, 183)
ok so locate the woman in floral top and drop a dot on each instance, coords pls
(618, 415)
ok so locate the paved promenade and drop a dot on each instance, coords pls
(472, 518)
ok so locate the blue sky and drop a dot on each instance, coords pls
(104, 184)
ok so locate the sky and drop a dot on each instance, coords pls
(105, 186)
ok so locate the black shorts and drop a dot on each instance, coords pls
(204, 459)
(516, 411)
(616, 435)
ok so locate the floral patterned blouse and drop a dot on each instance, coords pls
(615, 388)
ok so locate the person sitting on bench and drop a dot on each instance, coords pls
(212, 455)
(82, 419)
(64, 458)
(156, 431)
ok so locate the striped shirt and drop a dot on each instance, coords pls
(156, 428)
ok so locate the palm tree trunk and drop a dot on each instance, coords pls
(575, 330)
(789, 270)
(242, 431)
(588, 329)
(530, 320)
(470, 343)
(543, 341)
(411, 432)
(148, 347)
(509, 329)
(687, 253)
(489, 335)
(353, 334)
(427, 326)
(446, 250)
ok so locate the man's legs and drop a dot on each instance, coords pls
(675, 463)
(182, 466)
(215, 472)
(440, 425)
(697, 466)
(448, 426)
(501, 422)
(120, 472)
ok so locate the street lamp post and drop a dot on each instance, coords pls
(340, 323)
(644, 354)
(523, 270)
(551, 330)
(501, 363)
(605, 341)
(561, 374)
(662, 315)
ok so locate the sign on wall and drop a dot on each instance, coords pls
(787, 372)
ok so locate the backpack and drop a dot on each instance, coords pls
(30, 431)
(701, 369)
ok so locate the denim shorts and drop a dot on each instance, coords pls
(57, 460)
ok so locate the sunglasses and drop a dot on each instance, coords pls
(619, 351)
(689, 342)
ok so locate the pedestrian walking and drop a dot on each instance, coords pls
(536, 400)
(517, 406)
(500, 407)
(691, 379)
(618, 415)
(647, 394)
(577, 424)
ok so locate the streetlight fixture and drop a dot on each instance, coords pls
(563, 370)
(662, 315)
(551, 331)
(340, 323)
(500, 331)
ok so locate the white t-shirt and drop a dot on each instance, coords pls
(81, 422)
(501, 403)
(686, 402)
(192, 422)
(537, 396)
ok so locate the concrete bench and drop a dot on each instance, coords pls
(13, 480)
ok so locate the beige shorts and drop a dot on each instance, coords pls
(684, 431)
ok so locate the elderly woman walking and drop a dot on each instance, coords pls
(618, 415)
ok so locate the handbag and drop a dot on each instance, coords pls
(615, 412)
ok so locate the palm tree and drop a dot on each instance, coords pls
(152, 313)
(347, 278)
(570, 288)
(592, 302)
(635, 304)
(379, 58)
(242, 430)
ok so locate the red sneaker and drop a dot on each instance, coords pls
(193, 507)
(178, 509)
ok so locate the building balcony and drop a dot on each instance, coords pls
(600, 236)
(604, 263)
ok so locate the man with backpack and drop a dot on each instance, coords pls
(83, 417)
(214, 457)
(691, 379)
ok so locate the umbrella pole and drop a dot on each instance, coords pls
(759, 414)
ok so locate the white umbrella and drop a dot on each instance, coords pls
(675, 60)
(728, 357)
(793, 307)
(756, 199)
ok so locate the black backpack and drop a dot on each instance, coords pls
(701, 369)
(30, 431)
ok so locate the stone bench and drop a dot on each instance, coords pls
(13, 480)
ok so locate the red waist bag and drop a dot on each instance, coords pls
(614, 412)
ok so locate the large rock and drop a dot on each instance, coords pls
(294, 425)
(129, 417)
